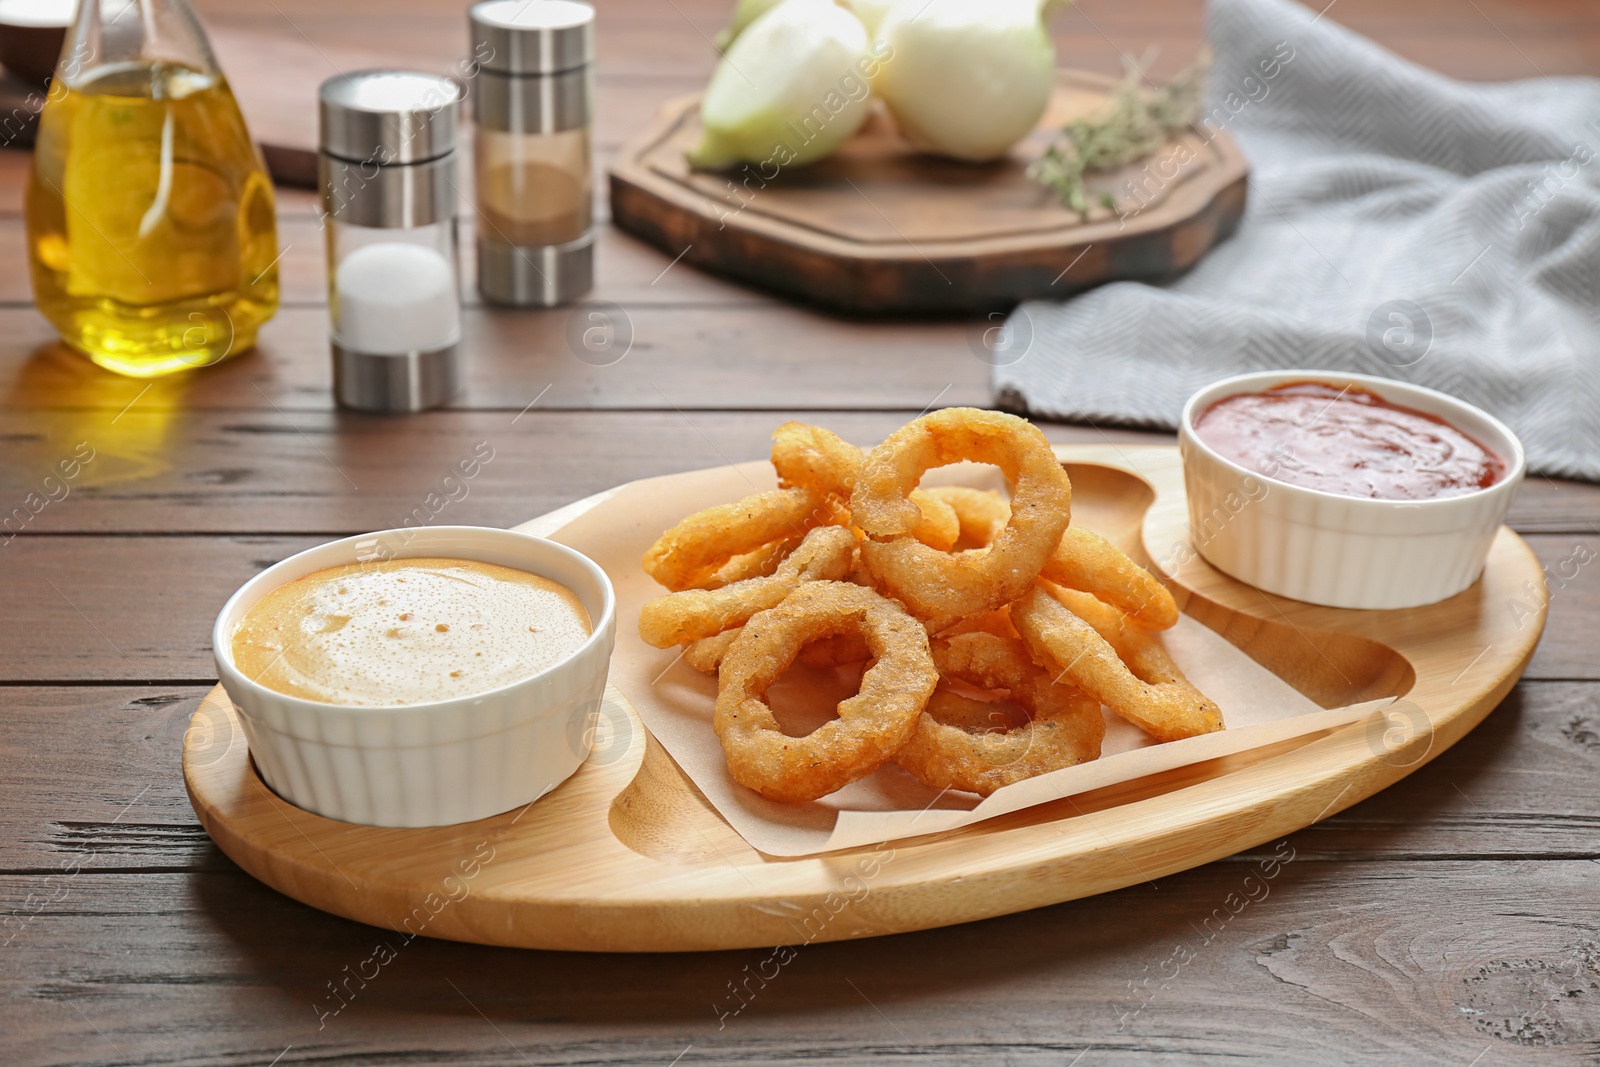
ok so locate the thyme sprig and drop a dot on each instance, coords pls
(1134, 123)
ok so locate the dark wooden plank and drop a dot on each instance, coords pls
(114, 609)
(1329, 963)
(642, 42)
(93, 772)
(1481, 41)
(1547, 505)
(652, 51)
(681, 357)
(332, 475)
(158, 467)
(97, 773)
(1498, 39)
(269, 472)
(149, 621)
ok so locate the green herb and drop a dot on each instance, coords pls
(1136, 122)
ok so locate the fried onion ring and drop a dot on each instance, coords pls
(939, 587)
(705, 655)
(839, 650)
(826, 554)
(981, 513)
(815, 459)
(821, 462)
(693, 549)
(1081, 560)
(1116, 661)
(1088, 562)
(756, 564)
(871, 725)
(997, 622)
(938, 527)
(955, 744)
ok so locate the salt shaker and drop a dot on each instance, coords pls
(531, 100)
(388, 172)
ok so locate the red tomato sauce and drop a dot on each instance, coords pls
(1349, 441)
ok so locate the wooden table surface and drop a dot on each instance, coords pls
(1452, 919)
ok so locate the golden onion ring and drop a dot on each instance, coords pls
(956, 743)
(826, 554)
(943, 588)
(840, 650)
(872, 725)
(980, 513)
(1088, 562)
(815, 459)
(693, 549)
(1113, 659)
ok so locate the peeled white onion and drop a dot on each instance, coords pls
(965, 78)
(870, 12)
(789, 90)
(744, 13)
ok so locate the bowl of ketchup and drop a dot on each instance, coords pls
(1344, 489)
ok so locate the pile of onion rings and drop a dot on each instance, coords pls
(989, 631)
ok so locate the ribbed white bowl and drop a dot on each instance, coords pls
(442, 762)
(1344, 552)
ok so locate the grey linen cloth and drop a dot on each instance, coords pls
(1399, 223)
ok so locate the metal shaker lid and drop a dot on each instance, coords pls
(532, 36)
(388, 116)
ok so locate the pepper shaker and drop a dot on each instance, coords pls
(388, 169)
(532, 102)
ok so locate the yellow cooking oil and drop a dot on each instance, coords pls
(152, 235)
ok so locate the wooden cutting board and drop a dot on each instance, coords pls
(878, 229)
(627, 856)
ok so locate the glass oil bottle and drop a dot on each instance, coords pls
(152, 235)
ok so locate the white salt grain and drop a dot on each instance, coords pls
(393, 298)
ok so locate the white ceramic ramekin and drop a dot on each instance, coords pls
(434, 763)
(1344, 552)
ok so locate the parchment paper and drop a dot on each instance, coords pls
(675, 702)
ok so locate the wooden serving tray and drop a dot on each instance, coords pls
(880, 229)
(628, 856)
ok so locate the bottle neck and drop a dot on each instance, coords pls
(120, 32)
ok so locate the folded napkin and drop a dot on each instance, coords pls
(1399, 223)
